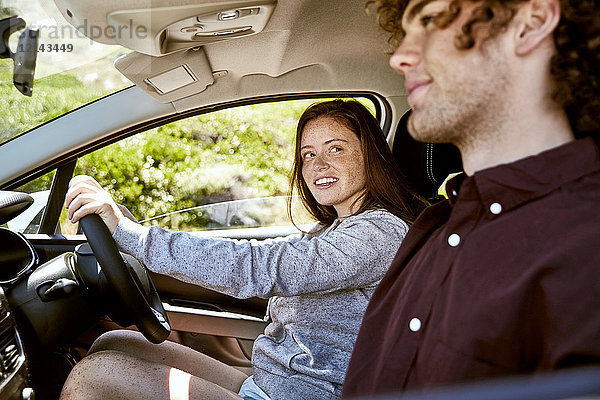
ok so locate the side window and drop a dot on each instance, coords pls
(220, 170)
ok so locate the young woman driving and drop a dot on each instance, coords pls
(318, 283)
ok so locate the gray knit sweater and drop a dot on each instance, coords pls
(318, 284)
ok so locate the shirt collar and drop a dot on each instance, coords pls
(508, 185)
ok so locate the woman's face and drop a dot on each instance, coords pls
(332, 164)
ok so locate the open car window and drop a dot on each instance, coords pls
(225, 169)
(221, 170)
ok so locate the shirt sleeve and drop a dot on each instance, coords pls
(355, 254)
(568, 291)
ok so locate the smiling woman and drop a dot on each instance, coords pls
(347, 135)
(339, 162)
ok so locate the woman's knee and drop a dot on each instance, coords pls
(119, 340)
(115, 375)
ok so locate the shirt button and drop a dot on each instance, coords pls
(453, 240)
(414, 324)
(496, 208)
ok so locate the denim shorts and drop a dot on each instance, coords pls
(251, 391)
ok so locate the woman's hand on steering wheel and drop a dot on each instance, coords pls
(86, 196)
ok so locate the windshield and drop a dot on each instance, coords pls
(71, 69)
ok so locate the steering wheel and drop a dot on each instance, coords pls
(150, 316)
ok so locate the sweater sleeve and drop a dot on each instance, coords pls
(355, 254)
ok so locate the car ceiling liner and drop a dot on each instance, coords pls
(168, 61)
(161, 27)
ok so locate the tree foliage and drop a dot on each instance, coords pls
(237, 153)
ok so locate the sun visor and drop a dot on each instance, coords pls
(169, 77)
(161, 27)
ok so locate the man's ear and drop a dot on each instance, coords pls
(537, 20)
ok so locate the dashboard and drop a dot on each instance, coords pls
(17, 258)
(14, 375)
(46, 304)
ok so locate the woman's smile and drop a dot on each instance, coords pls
(325, 183)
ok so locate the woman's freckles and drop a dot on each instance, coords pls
(333, 165)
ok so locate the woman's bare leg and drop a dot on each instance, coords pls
(171, 354)
(111, 374)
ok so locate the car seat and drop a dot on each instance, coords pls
(425, 165)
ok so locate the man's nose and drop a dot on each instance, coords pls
(406, 56)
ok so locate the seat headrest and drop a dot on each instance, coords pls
(426, 165)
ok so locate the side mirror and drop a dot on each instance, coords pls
(26, 55)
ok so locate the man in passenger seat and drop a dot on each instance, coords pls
(504, 277)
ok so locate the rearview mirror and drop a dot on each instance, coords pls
(26, 55)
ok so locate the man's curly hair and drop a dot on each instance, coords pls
(575, 68)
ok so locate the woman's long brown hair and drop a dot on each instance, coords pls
(386, 186)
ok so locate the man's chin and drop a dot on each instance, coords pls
(423, 132)
(426, 129)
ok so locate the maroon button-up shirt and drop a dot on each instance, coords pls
(501, 279)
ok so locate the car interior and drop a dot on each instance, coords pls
(178, 61)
